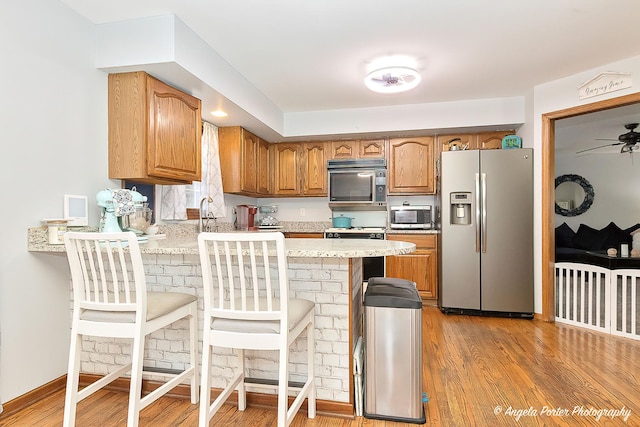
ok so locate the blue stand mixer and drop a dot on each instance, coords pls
(120, 208)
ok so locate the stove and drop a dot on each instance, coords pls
(376, 233)
(371, 266)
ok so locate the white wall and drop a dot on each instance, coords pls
(53, 131)
(554, 96)
(614, 178)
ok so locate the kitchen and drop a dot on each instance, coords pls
(80, 128)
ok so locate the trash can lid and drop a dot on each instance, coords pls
(388, 295)
(404, 283)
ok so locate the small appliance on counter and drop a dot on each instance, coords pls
(245, 217)
(408, 217)
(123, 210)
(267, 221)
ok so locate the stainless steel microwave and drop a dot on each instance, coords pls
(410, 217)
(357, 183)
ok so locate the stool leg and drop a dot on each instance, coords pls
(311, 398)
(283, 385)
(73, 372)
(205, 380)
(135, 390)
(193, 350)
(242, 392)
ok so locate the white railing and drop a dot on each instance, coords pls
(598, 298)
(625, 285)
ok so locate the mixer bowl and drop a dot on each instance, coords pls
(137, 221)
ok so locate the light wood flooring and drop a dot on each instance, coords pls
(475, 369)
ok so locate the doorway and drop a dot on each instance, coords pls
(548, 190)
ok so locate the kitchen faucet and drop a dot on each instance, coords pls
(201, 224)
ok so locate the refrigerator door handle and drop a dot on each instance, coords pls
(477, 212)
(484, 213)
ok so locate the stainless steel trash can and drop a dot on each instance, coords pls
(393, 351)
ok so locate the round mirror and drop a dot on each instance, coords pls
(574, 195)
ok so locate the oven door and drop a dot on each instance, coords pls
(372, 267)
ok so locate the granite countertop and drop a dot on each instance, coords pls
(186, 244)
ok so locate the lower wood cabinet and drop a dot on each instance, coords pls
(420, 266)
(303, 235)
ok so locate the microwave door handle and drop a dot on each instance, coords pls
(477, 212)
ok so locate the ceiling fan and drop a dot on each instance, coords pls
(627, 140)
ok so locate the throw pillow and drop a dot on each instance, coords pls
(632, 228)
(615, 236)
(565, 236)
(589, 238)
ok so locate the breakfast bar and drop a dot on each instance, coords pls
(325, 271)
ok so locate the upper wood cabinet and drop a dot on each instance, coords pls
(314, 169)
(411, 166)
(357, 149)
(492, 140)
(155, 131)
(300, 169)
(245, 162)
(467, 141)
(287, 180)
(265, 167)
(472, 141)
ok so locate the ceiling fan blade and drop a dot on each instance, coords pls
(605, 139)
(595, 148)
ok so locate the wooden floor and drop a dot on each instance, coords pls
(478, 371)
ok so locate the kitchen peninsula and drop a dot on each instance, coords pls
(328, 272)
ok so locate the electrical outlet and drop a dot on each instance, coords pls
(302, 212)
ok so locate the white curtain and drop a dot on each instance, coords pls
(211, 184)
(174, 202)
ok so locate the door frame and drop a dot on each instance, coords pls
(548, 190)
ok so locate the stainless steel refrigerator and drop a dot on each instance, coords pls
(486, 241)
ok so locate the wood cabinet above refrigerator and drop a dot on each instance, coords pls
(155, 131)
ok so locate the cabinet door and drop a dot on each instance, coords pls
(371, 148)
(411, 166)
(265, 170)
(344, 149)
(287, 178)
(468, 141)
(420, 266)
(174, 147)
(314, 172)
(492, 140)
(302, 235)
(249, 147)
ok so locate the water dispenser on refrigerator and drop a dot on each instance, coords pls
(460, 205)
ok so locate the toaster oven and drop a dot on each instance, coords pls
(416, 217)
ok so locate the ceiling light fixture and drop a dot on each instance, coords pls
(219, 113)
(392, 79)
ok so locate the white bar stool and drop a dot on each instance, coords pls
(110, 299)
(247, 306)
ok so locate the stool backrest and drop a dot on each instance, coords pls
(107, 273)
(244, 275)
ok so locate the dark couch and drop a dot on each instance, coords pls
(589, 246)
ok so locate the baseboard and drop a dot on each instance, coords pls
(14, 405)
(323, 407)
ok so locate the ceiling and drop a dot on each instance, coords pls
(313, 55)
